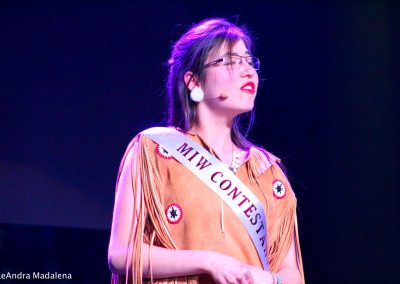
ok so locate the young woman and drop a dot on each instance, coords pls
(197, 202)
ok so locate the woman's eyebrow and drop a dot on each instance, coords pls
(235, 53)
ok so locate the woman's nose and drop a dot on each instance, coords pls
(247, 69)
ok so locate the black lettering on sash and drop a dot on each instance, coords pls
(235, 193)
(253, 221)
(261, 227)
(223, 182)
(244, 199)
(194, 155)
(214, 174)
(249, 210)
(203, 163)
(184, 148)
(262, 239)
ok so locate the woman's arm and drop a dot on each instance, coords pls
(288, 272)
(164, 262)
(169, 263)
(118, 254)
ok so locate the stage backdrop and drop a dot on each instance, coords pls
(78, 81)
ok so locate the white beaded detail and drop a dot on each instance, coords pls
(234, 167)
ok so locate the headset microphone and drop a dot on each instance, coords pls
(224, 95)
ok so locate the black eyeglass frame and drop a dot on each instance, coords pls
(254, 60)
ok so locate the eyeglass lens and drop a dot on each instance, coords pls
(238, 61)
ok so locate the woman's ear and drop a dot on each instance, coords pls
(191, 80)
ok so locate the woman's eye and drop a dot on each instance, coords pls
(229, 62)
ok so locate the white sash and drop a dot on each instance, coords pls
(220, 179)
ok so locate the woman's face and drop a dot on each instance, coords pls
(239, 83)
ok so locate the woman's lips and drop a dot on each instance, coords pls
(249, 88)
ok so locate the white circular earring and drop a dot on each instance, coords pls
(196, 94)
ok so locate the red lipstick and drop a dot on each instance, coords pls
(249, 87)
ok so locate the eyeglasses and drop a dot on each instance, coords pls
(235, 61)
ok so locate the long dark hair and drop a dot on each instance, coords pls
(189, 53)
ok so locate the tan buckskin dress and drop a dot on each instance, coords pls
(164, 181)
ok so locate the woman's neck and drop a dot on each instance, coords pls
(215, 130)
(215, 135)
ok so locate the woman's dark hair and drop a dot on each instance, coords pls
(189, 53)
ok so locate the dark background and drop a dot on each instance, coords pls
(79, 80)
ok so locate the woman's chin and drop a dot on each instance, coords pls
(242, 110)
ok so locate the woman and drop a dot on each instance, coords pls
(198, 203)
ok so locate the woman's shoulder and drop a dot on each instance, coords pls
(260, 159)
(263, 153)
(272, 171)
(138, 143)
(144, 143)
(144, 135)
